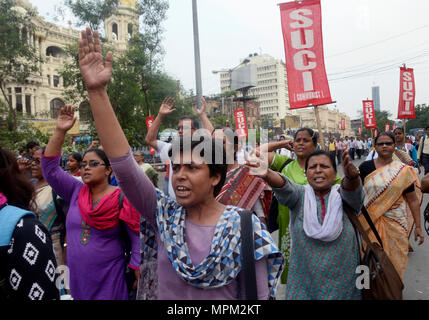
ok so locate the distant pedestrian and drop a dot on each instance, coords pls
(423, 153)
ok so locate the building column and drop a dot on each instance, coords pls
(34, 103)
(13, 98)
(24, 100)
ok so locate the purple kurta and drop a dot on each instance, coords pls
(97, 268)
(142, 195)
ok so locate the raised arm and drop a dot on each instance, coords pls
(152, 134)
(203, 115)
(96, 74)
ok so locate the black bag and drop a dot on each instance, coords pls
(274, 208)
(130, 276)
(385, 282)
(247, 255)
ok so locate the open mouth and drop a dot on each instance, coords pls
(319, 179)
(182, 191)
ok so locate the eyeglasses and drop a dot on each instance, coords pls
(92, 164)
(380, 144)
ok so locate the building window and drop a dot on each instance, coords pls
(130, 31)
(115, 33)
(28, 104)
(56, 105)
(49, 80)
(56, 81)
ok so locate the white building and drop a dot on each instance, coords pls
(41, 94)
(271, 91)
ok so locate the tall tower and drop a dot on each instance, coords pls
(376, 97)
(121, 25)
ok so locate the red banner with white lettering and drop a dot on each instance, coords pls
(305, 65)
(149, 121)
(387, 127)
(369, 114)
(343, 124)
(407, 94)
(360, 131)
(240, 123)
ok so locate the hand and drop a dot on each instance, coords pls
(258, 162)
(203, 109)
(418, 235)
(288, 144)
(167, 107)
(66, 118)
(95, 73)
(137, 275)
(350, 170)
(24, 164)
(93, 144)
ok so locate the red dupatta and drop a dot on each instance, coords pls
(106, 215)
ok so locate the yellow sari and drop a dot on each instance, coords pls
(389, 210)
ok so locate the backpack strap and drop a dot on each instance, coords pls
(121, 200)
(285, 164)
(247, 255)
(9, 217)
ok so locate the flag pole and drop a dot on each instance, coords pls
(197, 54)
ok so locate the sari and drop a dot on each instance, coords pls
(389, 210)
(243, 190)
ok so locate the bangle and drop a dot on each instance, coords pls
(418, 227)
(65, 245)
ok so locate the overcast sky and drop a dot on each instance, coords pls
(365, 43)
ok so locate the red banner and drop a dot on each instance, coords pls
(149, 121)
(387, 127)
(360, 131)
(240, 123)
(343, 124)
(369, 114)
(375, 133)
(407, 94)
(394, 127)
(305, 65)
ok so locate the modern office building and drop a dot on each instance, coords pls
(376, 97)
(271, 88)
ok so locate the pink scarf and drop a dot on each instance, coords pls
(3, 199)
(106, 215)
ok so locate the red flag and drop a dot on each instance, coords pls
(369, 114)
(387, 127)
(240, 122)
(343, 124)
(407, 94)
(305, 65)
(149, 121)
(360, 131)
(394, 127)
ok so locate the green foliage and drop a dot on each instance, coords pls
(18, 59)
(92, 12)
(422, 118)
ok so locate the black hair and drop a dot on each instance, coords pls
(205, 143)
(13, 184)
(195, 123)
(319, 153)
(399, 128)
(427, 128)
(102, 155)
(31, 145)
(77, 156)
(311, 132)
(224, 128)
(384, 133)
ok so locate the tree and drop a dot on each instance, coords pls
(138, 84)
(18, 56)
(381, 117)
(422, 118)
(92, 12)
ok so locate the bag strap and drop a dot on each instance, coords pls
(285, 164)
(121, 200)
(355, 221)
(247, 255)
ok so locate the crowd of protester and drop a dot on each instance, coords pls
(121, 237)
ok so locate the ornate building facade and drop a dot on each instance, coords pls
(41, 94)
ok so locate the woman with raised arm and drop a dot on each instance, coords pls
(97, 228)
(325, 253)
(198, 240)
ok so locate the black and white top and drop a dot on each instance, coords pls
(28, 264)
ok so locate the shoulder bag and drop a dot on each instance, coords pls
(385, 282)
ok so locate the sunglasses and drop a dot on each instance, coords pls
(92, 164)
(380, 144)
